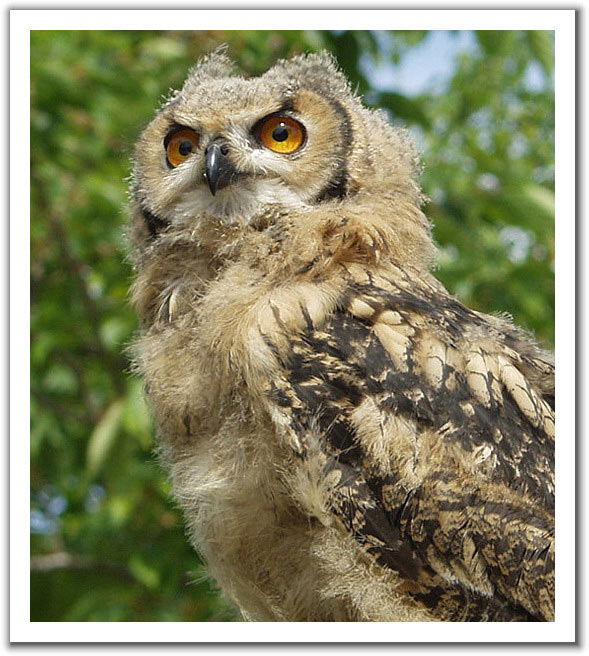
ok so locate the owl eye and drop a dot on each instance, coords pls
(179, 145)
(281, 134)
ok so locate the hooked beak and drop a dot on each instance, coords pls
(219, 171)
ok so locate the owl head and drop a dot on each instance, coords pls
(245, 153)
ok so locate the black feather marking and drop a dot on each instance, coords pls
(155, 223)
(334, 367)
(337, 186)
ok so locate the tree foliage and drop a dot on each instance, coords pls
(107, 543)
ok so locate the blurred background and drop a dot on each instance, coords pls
(107, 542)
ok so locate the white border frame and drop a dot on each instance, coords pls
(21, 22)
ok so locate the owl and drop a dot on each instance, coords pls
(348, 441)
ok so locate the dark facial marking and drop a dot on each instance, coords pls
(154, 223)
(337, 187)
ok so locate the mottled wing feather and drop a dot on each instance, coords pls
(439, 447)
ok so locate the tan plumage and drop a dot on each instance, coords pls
(348, 441)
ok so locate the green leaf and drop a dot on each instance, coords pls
(103, 437)
(136, 417)
(165, 48)
(541, 44)
(531, 206)
(541, 198)
(60, 379)
(113, 332)
(493, 41)
(119, 508)
(143, 572)
(403, 107)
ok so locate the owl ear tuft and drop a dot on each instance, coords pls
(319, 70)
(214, 65)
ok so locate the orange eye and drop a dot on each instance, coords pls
(180, 145)
(282, 134)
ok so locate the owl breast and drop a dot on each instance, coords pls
(348, 441)
(255, 510)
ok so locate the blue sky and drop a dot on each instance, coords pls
(426, 66)
(430, 65)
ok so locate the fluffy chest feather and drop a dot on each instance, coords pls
(316, 411)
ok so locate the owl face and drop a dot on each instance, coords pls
(238, 150)
(226, 150)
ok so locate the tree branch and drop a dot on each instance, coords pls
(65, 560)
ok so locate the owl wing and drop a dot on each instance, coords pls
(437, 448)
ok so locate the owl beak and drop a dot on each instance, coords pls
(219, 171)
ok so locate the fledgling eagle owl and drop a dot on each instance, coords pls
(347, 440)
